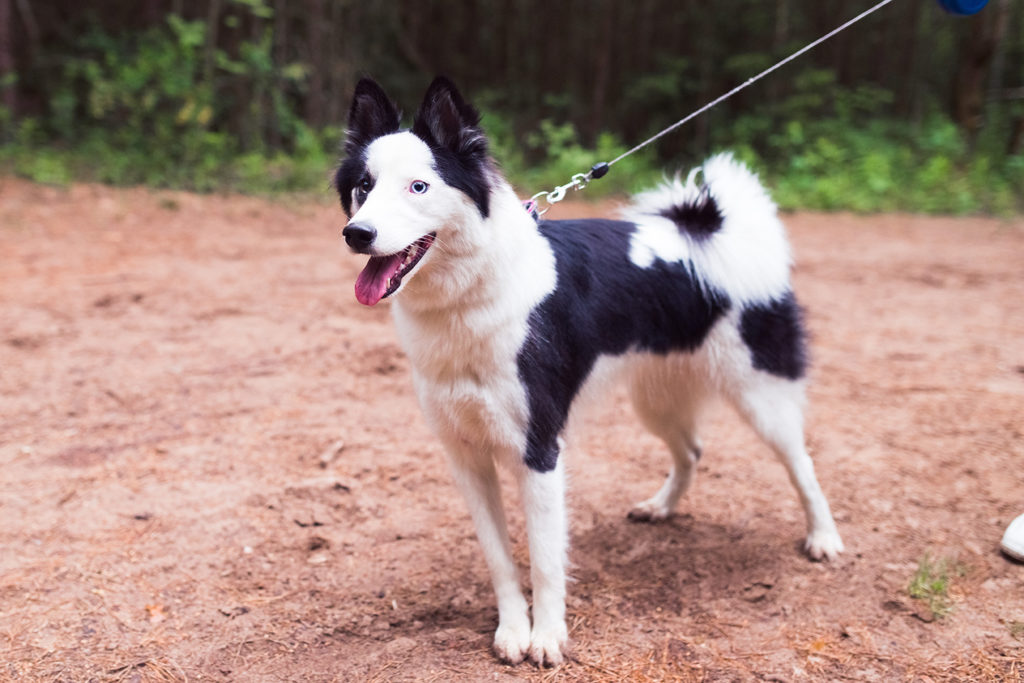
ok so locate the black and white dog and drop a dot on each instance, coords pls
(506, 320)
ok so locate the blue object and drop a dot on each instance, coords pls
(963, 7)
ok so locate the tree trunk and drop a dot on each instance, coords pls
(210, 49)
(1016, 145)
(977, 50)
(279, 86)
(995, 80)
(317, 63)
(602, 69)
(9, 91)
(780, 40)
(906, 86)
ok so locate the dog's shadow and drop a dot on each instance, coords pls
(624, 568)
(676, 565)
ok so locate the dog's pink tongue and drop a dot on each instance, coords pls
(372, 283)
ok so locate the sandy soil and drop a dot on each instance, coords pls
(214, 468)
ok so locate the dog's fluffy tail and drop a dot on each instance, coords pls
(728, 225)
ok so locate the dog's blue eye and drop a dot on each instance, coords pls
(418, 187)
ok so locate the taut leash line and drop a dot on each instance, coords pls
(580, 180)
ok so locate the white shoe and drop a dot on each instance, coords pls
(1013, 539)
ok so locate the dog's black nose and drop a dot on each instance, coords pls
(359, 237)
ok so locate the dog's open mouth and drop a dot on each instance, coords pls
(383, 275)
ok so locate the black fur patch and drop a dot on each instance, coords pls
(372, 115)
(603, 304)
(451, 128)
(349, 174)
(701, 218)
(774, 333)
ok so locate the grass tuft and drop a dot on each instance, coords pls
(931, 583)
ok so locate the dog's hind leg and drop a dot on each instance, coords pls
(547, 525)
(673, 419)
(774, 408)
(477, 478)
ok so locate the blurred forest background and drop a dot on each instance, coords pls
(911, 109)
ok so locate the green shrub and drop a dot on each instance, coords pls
(153, 108)
(557, 155)
(146, 108)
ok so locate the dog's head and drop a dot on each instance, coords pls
(406, 192)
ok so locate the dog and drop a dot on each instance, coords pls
(507, 320)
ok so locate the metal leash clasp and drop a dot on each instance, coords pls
(578, 182)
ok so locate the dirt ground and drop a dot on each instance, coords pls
(213, 467)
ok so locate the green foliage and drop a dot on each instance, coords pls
(169, 106)
(931, 583)
(662, 89)
(846, 159)
(1016, 629)
(821, 147)
(557, 154)
(840, 153)
(148, 108)
(47, 167)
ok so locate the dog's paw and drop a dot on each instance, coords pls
(512, 642)
(548, 645)
(824, 545)
(649, 511)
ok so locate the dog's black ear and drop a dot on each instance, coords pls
(373, 114)
(446, 120)
(451, 128)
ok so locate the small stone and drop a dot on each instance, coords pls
(331, 453)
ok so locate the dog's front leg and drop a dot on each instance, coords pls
(543, 495)
(477, 478)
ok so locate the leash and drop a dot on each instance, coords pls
(599, 170)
